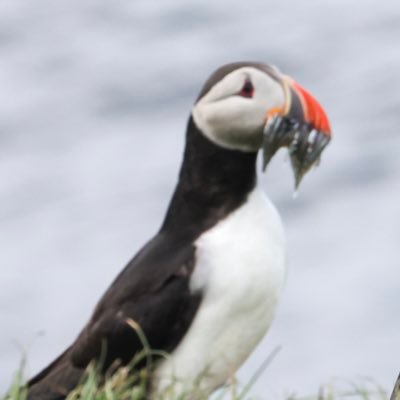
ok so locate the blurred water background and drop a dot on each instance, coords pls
(94, 98)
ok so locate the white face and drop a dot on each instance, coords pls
(232, 120)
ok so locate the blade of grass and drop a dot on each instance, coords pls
(267, 362)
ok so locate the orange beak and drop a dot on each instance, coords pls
(313, 112)
(301, 125)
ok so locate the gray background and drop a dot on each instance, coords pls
(94, 97)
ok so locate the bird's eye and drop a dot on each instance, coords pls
(247, 89)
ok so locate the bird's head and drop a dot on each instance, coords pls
(251, 106)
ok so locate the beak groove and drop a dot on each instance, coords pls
(304, 129)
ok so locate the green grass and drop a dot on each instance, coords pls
(129, 383)
(126, 384)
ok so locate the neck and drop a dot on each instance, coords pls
(213, 182)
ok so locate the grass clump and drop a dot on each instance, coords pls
(131, 383)
(125, 384)
(365, 389)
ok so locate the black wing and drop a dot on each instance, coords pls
(153, 290)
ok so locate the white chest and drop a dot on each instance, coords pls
(240, 269)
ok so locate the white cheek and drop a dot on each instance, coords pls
(270, 96)
(233, 113)
(232, 123)
(235, 122)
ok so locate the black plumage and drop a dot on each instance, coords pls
(153, 289)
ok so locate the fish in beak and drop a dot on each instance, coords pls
(301, 125)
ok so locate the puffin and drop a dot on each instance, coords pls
(203, 290)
